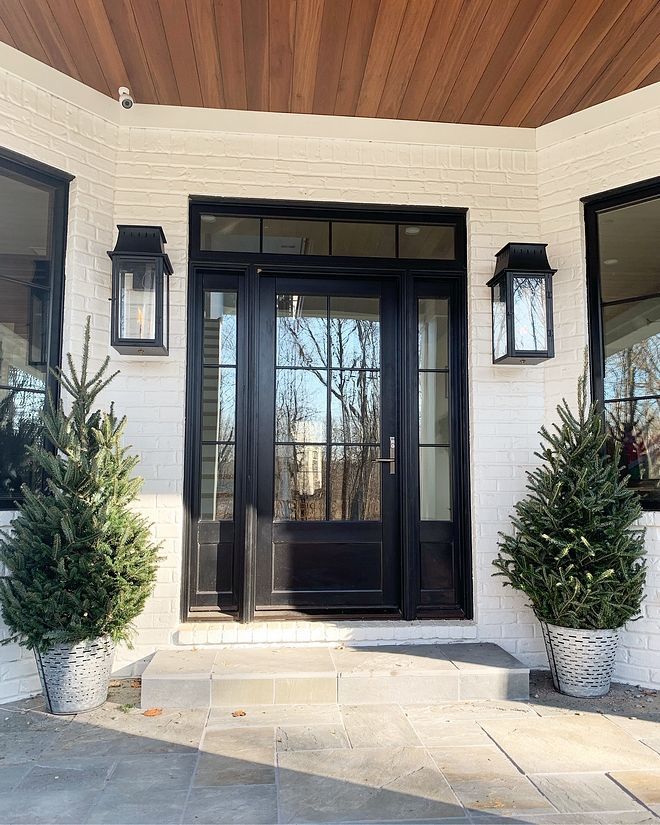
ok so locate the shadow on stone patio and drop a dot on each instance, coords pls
(118, 766)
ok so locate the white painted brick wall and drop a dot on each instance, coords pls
(133, 167)
(50, 129)
(570, 168)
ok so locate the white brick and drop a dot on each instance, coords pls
(126, 173)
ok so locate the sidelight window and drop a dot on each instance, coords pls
(218, 406)
(434, 437)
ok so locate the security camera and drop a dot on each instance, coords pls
(125, 97)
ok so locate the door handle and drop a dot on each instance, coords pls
(391, 459)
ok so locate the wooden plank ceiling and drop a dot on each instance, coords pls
(502, 62)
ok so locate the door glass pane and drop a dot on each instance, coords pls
(632, 348)
(376, 240)
(217, 483)
(301, 403)
(137, 300)
(218, 404)
(300, 482)
(355, 406)
(219, 327)
(529, 306)
(436, 242)
(302, 330)
(434, 484)
(433, 330)
(354, 484)
(636, 426)
(20, 427)
(227, 234)
(433, 408)
(355, 332)
(296, 237)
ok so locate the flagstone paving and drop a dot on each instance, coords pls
(549, 761)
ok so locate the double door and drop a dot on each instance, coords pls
(310, 489)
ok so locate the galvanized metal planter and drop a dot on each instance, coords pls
(581, 661)
(75, 678)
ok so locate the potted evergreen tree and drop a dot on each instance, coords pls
(80, 562)
(576, 552)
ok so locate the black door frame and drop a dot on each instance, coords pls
(415, 278)
(386, 287)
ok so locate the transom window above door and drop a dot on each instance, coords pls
(286, 230)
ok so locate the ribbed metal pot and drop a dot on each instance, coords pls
(581, 661)
(75, 678)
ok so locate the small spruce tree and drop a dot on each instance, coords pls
(575, 552)
(81, 563)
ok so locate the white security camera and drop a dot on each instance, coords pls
(125, 97)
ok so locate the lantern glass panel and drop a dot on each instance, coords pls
(137, 300)
(499, 319)
(529, 314)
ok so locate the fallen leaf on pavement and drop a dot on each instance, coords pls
(153, 712)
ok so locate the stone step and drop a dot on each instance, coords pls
(400, 674)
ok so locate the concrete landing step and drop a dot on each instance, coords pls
(401, 674)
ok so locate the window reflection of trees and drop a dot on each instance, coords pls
(634, 421)
(20, 427)
(307, 333)
(529, 312)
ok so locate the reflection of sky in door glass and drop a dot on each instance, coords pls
(355, 332)
(632, 348)
(301, 402)
(355, 406)
(529, 313)
(302, 330)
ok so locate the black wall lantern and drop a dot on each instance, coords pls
(140, 291)
(521, 290)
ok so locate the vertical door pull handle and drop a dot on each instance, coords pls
(391, 459)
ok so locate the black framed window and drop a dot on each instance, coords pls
(241, 229)
(33, 205)
(623, 228)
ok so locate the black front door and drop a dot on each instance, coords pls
(326, 452)
(328, 537)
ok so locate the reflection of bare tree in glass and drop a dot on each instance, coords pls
(633, 422)
(224, 480)
(354, 392)
(634, 370)
(19, 428)
(529, 310)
